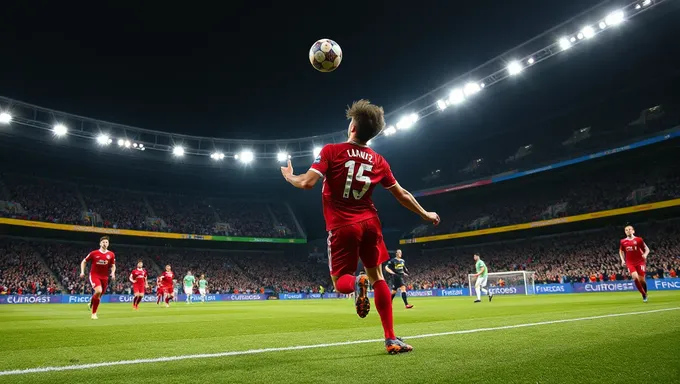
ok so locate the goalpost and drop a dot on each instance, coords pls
(507, 283)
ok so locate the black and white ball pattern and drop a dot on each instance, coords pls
(325, 55)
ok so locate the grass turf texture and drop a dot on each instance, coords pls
(637, 348)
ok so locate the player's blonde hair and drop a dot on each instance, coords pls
(369, 119)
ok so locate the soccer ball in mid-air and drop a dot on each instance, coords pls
(325, 55)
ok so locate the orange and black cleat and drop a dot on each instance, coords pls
(396, 346)
(409, 306)
(362, 303)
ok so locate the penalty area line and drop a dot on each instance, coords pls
(311, 346)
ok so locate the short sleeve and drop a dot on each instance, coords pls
(113, 258)
(621, 245)
(388, 181)
(322, 161)
(88, 257)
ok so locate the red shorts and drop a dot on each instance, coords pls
(139, 288)
(98, 281)
(348, 244)
(168, 290)
(640, 268)
(159, 291)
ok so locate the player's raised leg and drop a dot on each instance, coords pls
(637, 273)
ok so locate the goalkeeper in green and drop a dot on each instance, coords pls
(481, 276)
(189, 281)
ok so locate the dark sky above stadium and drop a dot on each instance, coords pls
(241, 71)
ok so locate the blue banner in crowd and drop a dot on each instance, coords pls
(542, 289)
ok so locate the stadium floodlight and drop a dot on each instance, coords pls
(316, 151)
(5, 118)
(246, 156)
(104, 139)
(456, 96)
(368, 143)
(178, 151)
(615, 18)
(603, 25)
(134, 145)
(282, 156)
(646, 3)
(471, 88)
(514, 68)
(217, 156)
(564, 43)
(580, 36)
(390, 130)
(121, 142)
(408, 121)
(127, 143)
(441, 104)
(588, 32)
(60, 129)
(531, 61)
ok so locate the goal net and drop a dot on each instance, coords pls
(506, 283)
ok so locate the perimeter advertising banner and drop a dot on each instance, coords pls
(542, 289)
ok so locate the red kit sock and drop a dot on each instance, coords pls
(383, 302)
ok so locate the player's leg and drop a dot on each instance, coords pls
(343, 259)
(633, 269)
(373, 253)
(404, 296)
(640, 272)
(478, 289)
(98, 285)
(482, 286)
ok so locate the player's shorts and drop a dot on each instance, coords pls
(397, 282)
(188, 291)
(98, 281)
(168, 291)
(348, 244)
(139, 288)
(201, 291)
(481, 281)
(640, 268)
(159, 291)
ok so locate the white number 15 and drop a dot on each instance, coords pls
(359, 177)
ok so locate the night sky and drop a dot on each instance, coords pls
(242, 71)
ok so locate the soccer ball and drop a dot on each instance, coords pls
(325, 55)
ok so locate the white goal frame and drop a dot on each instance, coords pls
(528, 282)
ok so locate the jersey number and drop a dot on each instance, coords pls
(359, 177)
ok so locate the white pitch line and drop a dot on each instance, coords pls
(300, 347)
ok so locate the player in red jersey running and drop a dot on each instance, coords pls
(168, 281)
(351, 171)
(139, 280)
(633, 252)
(101, 260)
(159, 289)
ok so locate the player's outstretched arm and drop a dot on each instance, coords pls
(304, 181)
(82, 267)
(406, 199)
(623, 257)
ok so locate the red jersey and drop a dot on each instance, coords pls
(101, 261)
(634, 248)
(166, 279)
(138, 276)
(350, 173)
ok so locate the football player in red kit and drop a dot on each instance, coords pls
(350, 172)
(159, 289)
(138, 278)
(633, 252)
(102, 259)
(168, 280)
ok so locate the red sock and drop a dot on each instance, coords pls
(383, 303)
(158, 299)
(345, 284)
(167, 299)
(95, 303)
(639, 287)
(644, 285)
(135, 302)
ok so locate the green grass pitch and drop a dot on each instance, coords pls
(637, 348)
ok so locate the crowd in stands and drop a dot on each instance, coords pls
(109, 207)
(30, 266)
(22, 271)
(575, 257)
(605, 189)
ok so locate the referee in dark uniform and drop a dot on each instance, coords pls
(396, 267)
